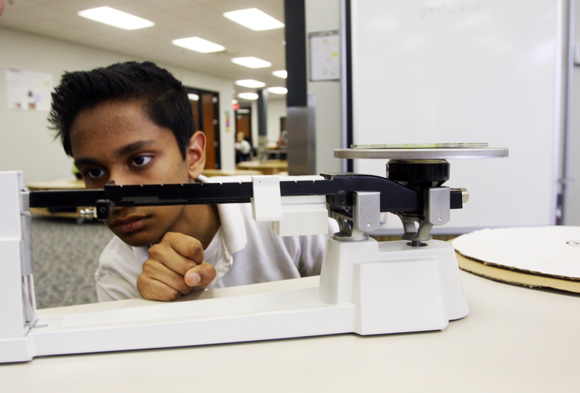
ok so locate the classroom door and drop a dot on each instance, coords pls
(205, 108)
(244, 123)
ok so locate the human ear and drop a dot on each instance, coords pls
(195, 154)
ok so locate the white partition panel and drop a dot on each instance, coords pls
(427, 71)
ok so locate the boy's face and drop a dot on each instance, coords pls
(116, 141)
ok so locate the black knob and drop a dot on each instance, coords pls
(418, 174)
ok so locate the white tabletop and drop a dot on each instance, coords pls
(514, 340)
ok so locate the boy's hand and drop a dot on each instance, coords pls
(175, 267)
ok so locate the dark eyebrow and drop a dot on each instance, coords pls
(122, 151)
(85, 162)
(131, 147)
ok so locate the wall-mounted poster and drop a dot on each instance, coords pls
(28, 90)
(324, 56)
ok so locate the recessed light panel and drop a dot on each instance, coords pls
(281, 74)
(250, 83)
(248, 96)
(113, 17)
(198, 44)
(251, 62)
(278, 90)
(254, 19)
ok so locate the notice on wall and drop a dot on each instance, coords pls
(28, 90)
(324, 56)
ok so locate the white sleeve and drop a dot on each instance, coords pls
(119, 267)
(312, 249)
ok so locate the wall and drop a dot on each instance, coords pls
(276, 110)
(572, 213)
(324, 15)
(26, 143)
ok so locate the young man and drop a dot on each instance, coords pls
(131, 123)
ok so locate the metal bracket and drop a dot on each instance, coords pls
(367, 210)
(27, 266)
(436, 210)
(437, 202)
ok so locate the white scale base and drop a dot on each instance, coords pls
(365, 287)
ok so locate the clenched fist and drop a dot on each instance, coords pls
(175, 267)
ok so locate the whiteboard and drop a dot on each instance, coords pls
(435, 71)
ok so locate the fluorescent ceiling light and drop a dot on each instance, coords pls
(250, 83)
(251, 62)
(248, 96)
(113, 17)
(281, 74)
(254, 19)
(278, 90)
(198, 44)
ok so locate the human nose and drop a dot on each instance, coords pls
(116, 209)
(119, 178)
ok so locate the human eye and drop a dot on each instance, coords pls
(93, 173)
(141, 161)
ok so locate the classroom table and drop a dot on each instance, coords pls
(268, 167)
(515, 339)
(231, 172)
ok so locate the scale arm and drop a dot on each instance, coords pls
(339, 190)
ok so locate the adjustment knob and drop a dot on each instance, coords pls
(418, 174)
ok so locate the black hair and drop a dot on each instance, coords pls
(163, 98)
